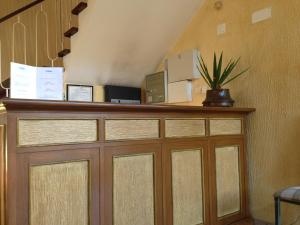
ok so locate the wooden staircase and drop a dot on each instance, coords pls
(58, 39)
(74, 27)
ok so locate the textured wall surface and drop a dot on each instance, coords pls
(272, 49)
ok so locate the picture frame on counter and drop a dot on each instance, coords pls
(81, 93)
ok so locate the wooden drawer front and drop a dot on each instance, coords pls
(59, 192)
(185, 127)
(228, 180)
(47, 132)
(131, 129)
(225, 126)
(187, 187)
(133, 190)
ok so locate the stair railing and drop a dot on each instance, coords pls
(37, 45)
(1, 83)
(15, 25)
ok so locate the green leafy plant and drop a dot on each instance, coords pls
(219, 78)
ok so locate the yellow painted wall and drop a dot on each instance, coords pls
(272, 50)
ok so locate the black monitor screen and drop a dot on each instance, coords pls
(119, 94)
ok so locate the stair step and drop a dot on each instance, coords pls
(69, 33)
(79, 8)
(64, 52)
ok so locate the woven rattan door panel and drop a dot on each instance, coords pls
(134, 174)
(186, 196)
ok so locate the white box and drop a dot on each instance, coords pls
(180, 92)
(183, 66)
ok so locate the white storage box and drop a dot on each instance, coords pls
(180, 92)
(183, 66)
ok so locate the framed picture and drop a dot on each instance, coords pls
(82, 93)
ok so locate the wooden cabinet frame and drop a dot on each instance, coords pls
(25, 161)
(100, 154)
(2, 173)
(227, 142)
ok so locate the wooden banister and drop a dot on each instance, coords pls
(20, 10)
(67, 12)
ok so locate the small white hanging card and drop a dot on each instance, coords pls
(28, 82)
(22, 81)
(49, 83)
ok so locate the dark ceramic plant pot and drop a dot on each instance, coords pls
(218, 98)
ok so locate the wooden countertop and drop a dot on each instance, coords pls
(44, 105)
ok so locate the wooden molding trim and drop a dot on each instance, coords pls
(37, 105)
(2, 174)
(259, 222)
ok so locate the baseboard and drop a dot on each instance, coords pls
(259, 222)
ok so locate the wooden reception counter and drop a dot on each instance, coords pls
(67, 163)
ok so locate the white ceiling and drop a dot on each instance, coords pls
(120, 41)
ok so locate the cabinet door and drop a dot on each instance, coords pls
(58, 187)
(228, 180)
(132, 192)
(186, 183)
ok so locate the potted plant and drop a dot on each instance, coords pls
(218, 96)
